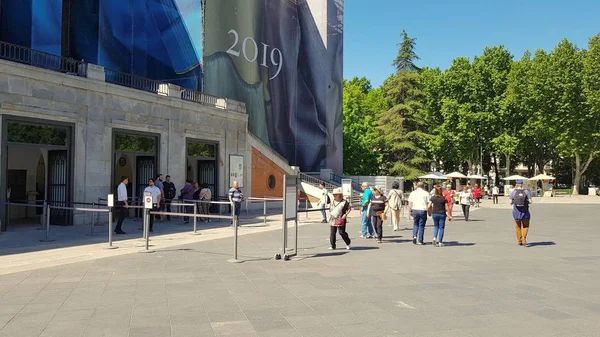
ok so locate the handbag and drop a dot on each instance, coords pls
(382, 215)
(430, 210)
(339, 222)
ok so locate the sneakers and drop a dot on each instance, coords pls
(331, 248)
(440, 244)
(524, 241)
(414, 241)
(348, 247)
(323, 221)
(433, 242)
(419, 243)
(362, 237)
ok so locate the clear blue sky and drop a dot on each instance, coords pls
(446, 29)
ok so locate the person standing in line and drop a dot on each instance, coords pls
(170, 192)
(205, 198)
(417, 206)
(122, 204)
(338, 214)
(520, 199)
(465, 201)
(367, 226)
(449, 194)
(440, 211)
(156, 200)
(377, 208)
(495, 193)
(235, 198)
(395, 204)
(187, 195)
(323, 201)
(158, 182)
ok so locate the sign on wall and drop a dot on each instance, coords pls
(236, 169)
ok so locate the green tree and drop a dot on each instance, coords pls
(362, 105)
(405, 60)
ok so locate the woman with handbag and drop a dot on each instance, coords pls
(338, 214)
(378, 210)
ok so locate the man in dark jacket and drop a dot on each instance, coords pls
(170, 192)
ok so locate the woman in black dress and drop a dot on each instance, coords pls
(378, 209)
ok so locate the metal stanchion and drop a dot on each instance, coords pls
(265, 211)
(47, 239)
(93, 222)
(306, 206)
(235, 238)
(110, 231)
(147, 216)
(195, 219)
(43, 216)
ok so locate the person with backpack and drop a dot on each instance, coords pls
(324, 201)
(395, 204)
(520, 199)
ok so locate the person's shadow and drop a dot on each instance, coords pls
(458, 244)
(541, 243)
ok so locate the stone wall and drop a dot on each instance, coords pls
(95, 109)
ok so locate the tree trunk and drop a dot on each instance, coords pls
(497, 178)
(580, 170)
(507, 165)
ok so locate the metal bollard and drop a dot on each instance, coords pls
(47, 239)
(147, 231)
(265, 211)
(98, 214)
(93, 223)
(235, 240)
(110, 231)
(43, 216)
(305, 206)
(195, 219)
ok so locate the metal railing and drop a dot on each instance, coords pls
(20, 54)
(356, 186)
(314, 181)
(136, 82)
(198, 97)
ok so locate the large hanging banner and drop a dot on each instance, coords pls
(283, 58)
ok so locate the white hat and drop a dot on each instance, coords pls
(337, 191)
(377, 188)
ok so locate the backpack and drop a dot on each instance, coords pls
(520, 199)
(328, 199)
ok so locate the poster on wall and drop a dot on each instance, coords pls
(236, 169)
(284, 60)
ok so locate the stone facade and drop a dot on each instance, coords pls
(95, 109)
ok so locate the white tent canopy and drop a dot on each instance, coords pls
(433, 175)
(455, 174)
(542, 176)
(516, 177)
(476, 176)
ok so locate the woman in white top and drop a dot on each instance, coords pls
(395, 204)
(465, 201)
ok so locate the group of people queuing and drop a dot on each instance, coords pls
(164, 193)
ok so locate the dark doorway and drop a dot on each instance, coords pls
(207, 173)
(17, 185)
(58, 187)
(202, 166)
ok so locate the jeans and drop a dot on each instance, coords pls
(366, 224)
(323, 213)
(439, 224)
(188, 210)
(465, 209)
(419, 221)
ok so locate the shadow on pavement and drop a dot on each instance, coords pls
(396, 241)
(364, 248)
(458, 244)
(542, 243)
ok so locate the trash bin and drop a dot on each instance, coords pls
(591, 190)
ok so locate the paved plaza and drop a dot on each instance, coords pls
(480, 284)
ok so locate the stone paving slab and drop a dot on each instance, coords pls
(480, 284)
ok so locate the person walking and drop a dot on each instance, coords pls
(170, 192)
(477, 195)
(495, 193)
(395, 204)
(323, 201)
(122, 204)
(377, 209)
(440, 211)
(158, 182)
(520, 199)
(465, 201)
(235, 198)
(156, 200)
(205, 197)
(338, 217)
(367, 226)
(187, 195)
(449, 194)
(417, 206)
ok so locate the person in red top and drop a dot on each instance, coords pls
(477, 194)
(449, 194)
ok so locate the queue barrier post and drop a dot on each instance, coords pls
(93, 222)
(44, 210)
(147, 216)
(235, 238)
(110, 231)
(47, 238)
(265, 211)
(195, 218)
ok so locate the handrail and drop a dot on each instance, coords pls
(314, 181)
(136, 82)
(36, 58)
(338, 179)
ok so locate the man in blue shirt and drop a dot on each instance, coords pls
(235, 198)
(365, 217)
